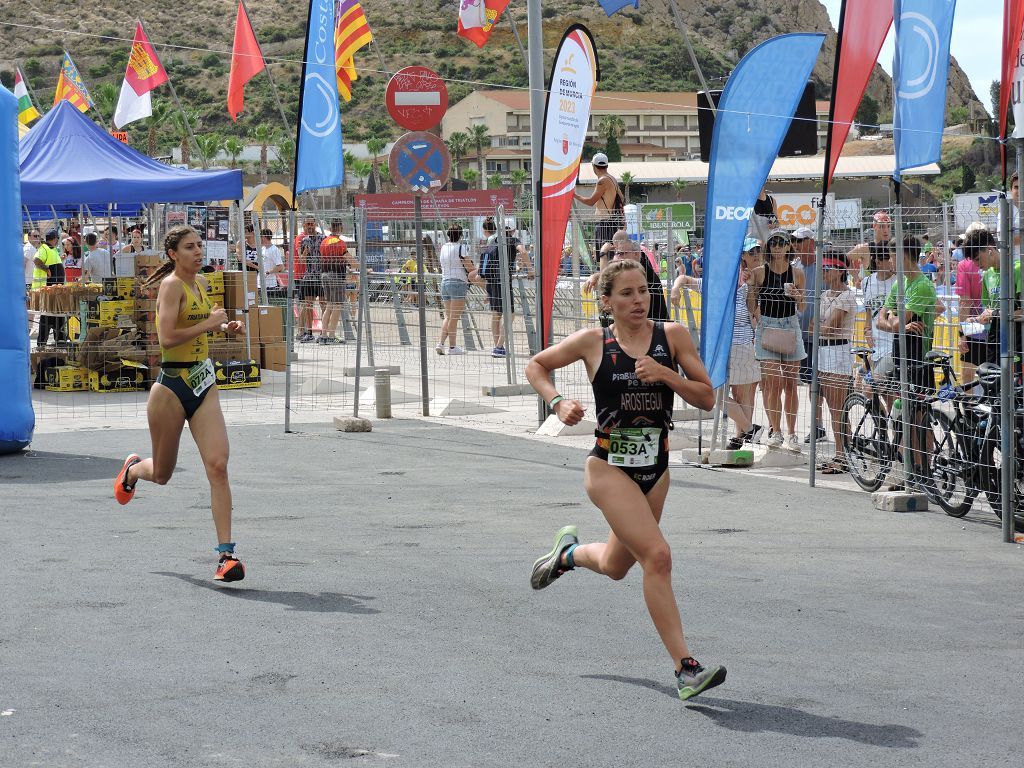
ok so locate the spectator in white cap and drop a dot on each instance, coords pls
(607, 202)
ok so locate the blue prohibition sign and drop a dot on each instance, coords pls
(422, 164)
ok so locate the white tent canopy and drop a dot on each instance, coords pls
(784, 168)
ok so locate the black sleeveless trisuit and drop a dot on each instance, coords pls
(625, 403)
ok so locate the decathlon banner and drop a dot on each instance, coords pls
(566, 117)
(318, 150)
(754, 114)
(920, 71)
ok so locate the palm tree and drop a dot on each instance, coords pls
(209, 145)
(470, 176)
(104, 97)
(679, 186)
(611, 128)
(478, 137)
(518, 177)
(375, 145)
(285, 150)
(362, 170)
(263, 135)
(383, 176)
(161, 114)
(494, 181)
(234, 148)
(347, 159)
(458, 145)
(179, 119)
(627, 179)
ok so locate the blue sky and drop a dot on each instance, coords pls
(976, 44)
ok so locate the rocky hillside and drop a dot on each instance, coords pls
(640, 50)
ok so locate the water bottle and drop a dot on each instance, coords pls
(897, 410)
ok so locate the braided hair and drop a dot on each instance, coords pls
(172, 239)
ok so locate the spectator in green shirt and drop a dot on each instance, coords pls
(919, 306)
(991, 285)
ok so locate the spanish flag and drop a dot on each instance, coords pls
(27, 112)
(351, 33)
(70, 86)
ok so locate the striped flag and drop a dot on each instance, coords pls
(352, 32)
(27, 113)
(70, 86)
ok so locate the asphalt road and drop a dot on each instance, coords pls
(387, 617)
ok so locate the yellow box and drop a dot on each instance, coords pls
(126, 380)
(67, 378)
(215, 281)
(109, 311)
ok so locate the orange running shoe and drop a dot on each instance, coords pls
(229, 569)
(122, 492)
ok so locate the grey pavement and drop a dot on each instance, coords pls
(387, 617)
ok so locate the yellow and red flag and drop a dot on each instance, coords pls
(246, 61)
(70, 86)
(143, 74)
(351, 33)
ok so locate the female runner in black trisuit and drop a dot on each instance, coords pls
(633, 368)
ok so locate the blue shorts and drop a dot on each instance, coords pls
(453, 290)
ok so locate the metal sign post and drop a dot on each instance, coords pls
(421, 300)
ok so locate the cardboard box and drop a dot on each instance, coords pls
(120, 287)
(67, 378)
(237, 374)
(273, 355)
(239, 294)
(268, 321)
(145, 265)
(215, 299)
(125, 379)
(108, 312)
(145, 309)
(214, 282)
(232, 350)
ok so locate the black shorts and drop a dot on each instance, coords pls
(309, 287)
(645, 477)
(332, 287)
(604, 230)
(494, 294)
(172, 379)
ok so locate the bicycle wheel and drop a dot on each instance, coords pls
(992, 458)
(950, 470)
(866, 442)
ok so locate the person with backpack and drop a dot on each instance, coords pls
(490, 270)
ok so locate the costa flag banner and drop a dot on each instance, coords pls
(863, 26)
(566, 117)
(318, 145)
(919, 75)
(1013, 25)
(754, 114)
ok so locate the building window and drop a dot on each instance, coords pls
(631, 121)
(675, 122)
(654, 121)
(497, 166)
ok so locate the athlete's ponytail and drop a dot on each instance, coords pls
(613, 270)
(172, 240)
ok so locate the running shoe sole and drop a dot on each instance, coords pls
(230, 570)
(717, 677)
(549, 567)
(124, 496)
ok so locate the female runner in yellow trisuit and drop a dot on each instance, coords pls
(186, 390)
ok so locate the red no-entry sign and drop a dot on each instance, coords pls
(416, 98)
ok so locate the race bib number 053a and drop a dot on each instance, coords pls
(637, 447)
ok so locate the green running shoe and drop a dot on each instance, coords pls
(549, 567)
(694, 679)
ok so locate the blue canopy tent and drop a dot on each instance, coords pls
(68, 160)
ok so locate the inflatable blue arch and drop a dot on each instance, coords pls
(17, 419)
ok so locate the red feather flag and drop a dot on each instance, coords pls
(246, 62)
